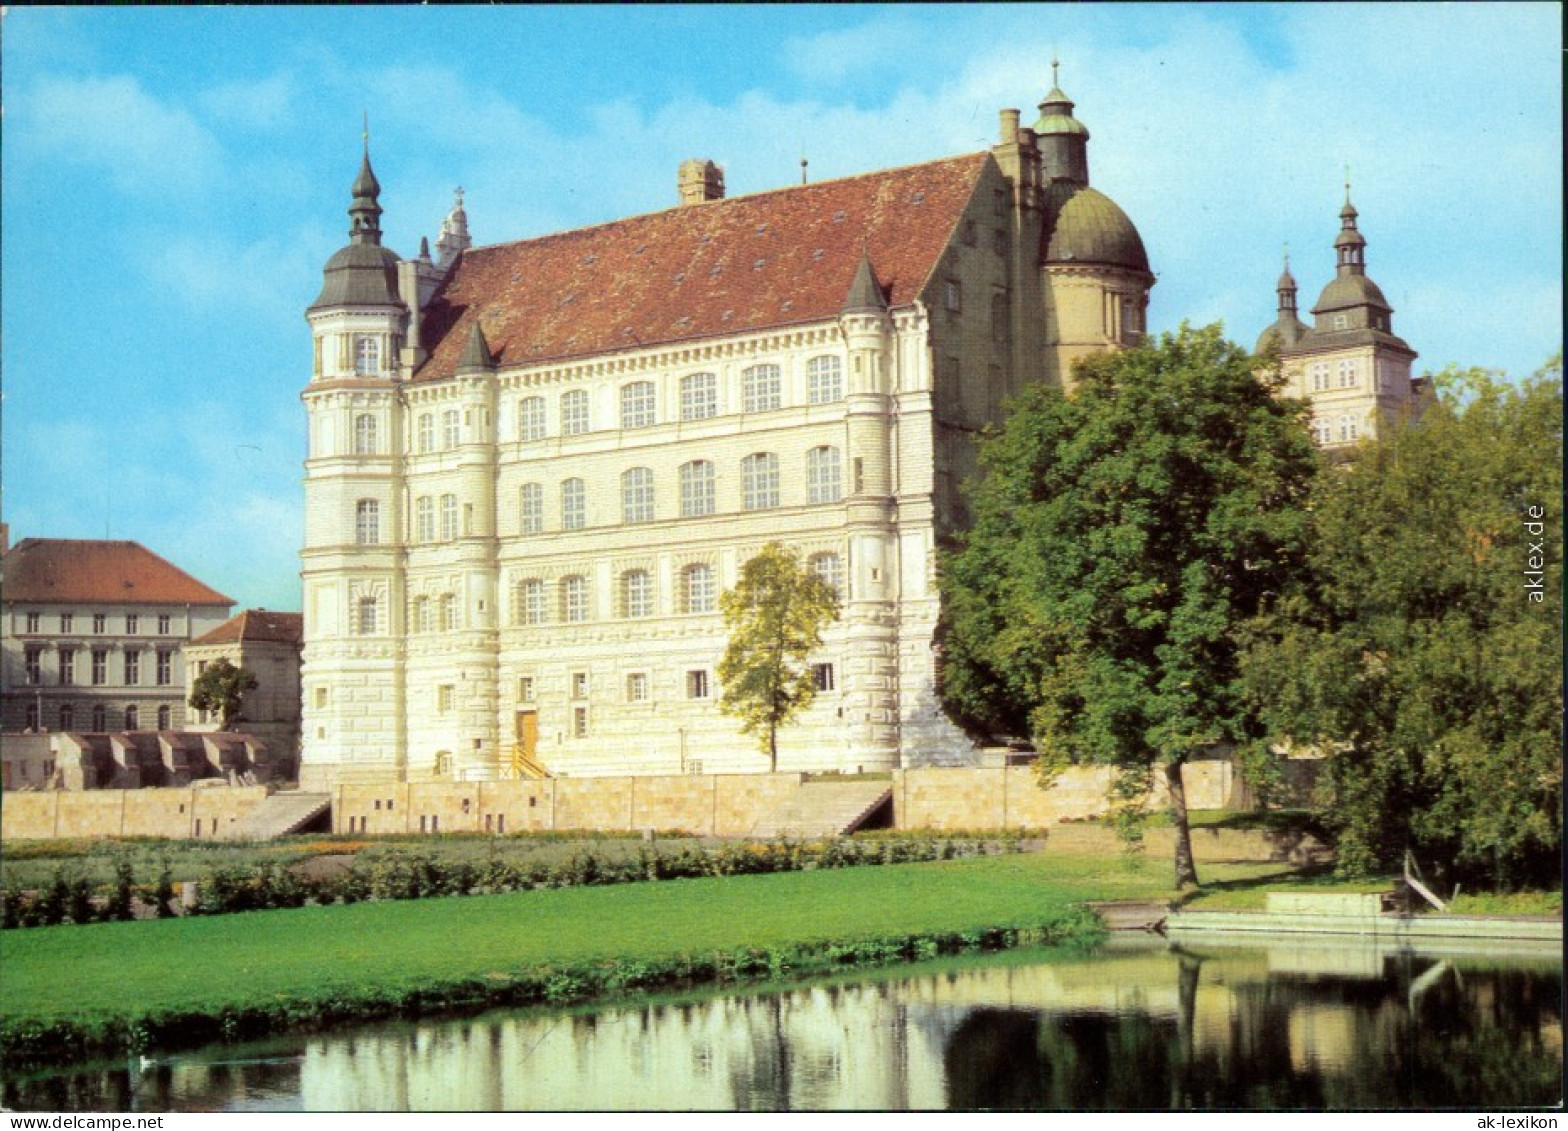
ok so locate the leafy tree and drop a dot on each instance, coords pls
(221, 688)
(775, 616)
(1122, 535)
(1425, 658)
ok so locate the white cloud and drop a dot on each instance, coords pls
(145, 146)
(219, 275)
(266, 104)
(833, 56)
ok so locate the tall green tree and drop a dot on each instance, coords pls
(1122, 536)
(1425, 658)
(220, 689)
(775, 616)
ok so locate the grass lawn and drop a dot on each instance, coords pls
(105, 970)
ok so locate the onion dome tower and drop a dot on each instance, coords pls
(1288, 328)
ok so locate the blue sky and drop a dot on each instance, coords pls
(173, 180)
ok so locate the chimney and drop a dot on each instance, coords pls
(699, 181)
(1009, 127)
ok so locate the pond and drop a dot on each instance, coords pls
(1134, 1026)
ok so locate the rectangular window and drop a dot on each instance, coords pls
(574, 600)
(574, 505)
(133, 668)
(33, 664)
(68, 622)
(132, 624)
(697, 684)
(823, 475)
(427, 432)
(697, 489)
(760, 388)
(699, 396)
(451, 431)
(637, 404)
(365, 621)
(321, 698)
(163, 625)
(525, 689)
(759, 476)
(637, 495)
(448, 517)
(67, 666)
(579, 685)
(424, 519)
(698, 584)
(823, 675)
(100, 667)
(33, 622)
(445, 695)
(825, 379)
(530, 600)
(952, 295)
(165, 668)
(579, 722)
(637, 687)
(100, 624)
(532, 508)
(367, 522)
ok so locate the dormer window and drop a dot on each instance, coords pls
(1341, 321)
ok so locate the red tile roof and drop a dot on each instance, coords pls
(258, 626)
(703, 270)
(92, 572)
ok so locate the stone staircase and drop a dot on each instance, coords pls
(823, 808)
(279, 815)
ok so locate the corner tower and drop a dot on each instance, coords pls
(1095, 270)
(351, 564)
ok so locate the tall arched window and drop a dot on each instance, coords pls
(760, 388)
(697, 488)
(530, 418)
(697, 590)
(637, 495)
(448, 517)
(574, 412)
(759, 481)
(574, 599)
(574, 505)
(637, 404)
(823, 475)
(427, 432)
(636, 593)
(531, 508)
(367, 522)
(825, 379)
(365, 434)
(424, 519)
(699, 396)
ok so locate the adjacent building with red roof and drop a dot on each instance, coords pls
(266, 644)
(94, 635)
(534, 466)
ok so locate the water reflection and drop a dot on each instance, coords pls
(1191, 1027)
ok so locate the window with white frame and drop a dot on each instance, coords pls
(367, 522)
(637, 404)
(697, 589)
(421, 615)
(1347, 373)
(427, 432)
(759, 481)
(100, 623)
(697, 684)
(699, 396)
(424, 519)
(824, 379)
(636, 593)
(133, 624)
(448, 517)
(364, 434)
(529, 602)
(448, 612)
(830, 568)
(133, 669)
(530, 418)
(365, 620)
(637, 495)
(34, 622)
(68, 622)
(164, 621)
(531, 508)
(367, 355)
(446, 697)
(1347, 429)
(33, 665)
(1318, 371)
(636, 687)
(1341, 321)
(697, 488)
(574, 505)
(67, 666)
(451, 428)
(574, 599)
(824, 475)
(761, 387)
(574, 412)
(165, 669)
(823, 676)
(100, 667)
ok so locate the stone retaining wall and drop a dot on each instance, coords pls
(190, 812)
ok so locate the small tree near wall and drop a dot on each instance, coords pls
(220, 689)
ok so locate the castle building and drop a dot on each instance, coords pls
(94, 636)
(534, 466)
(1349, 364)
